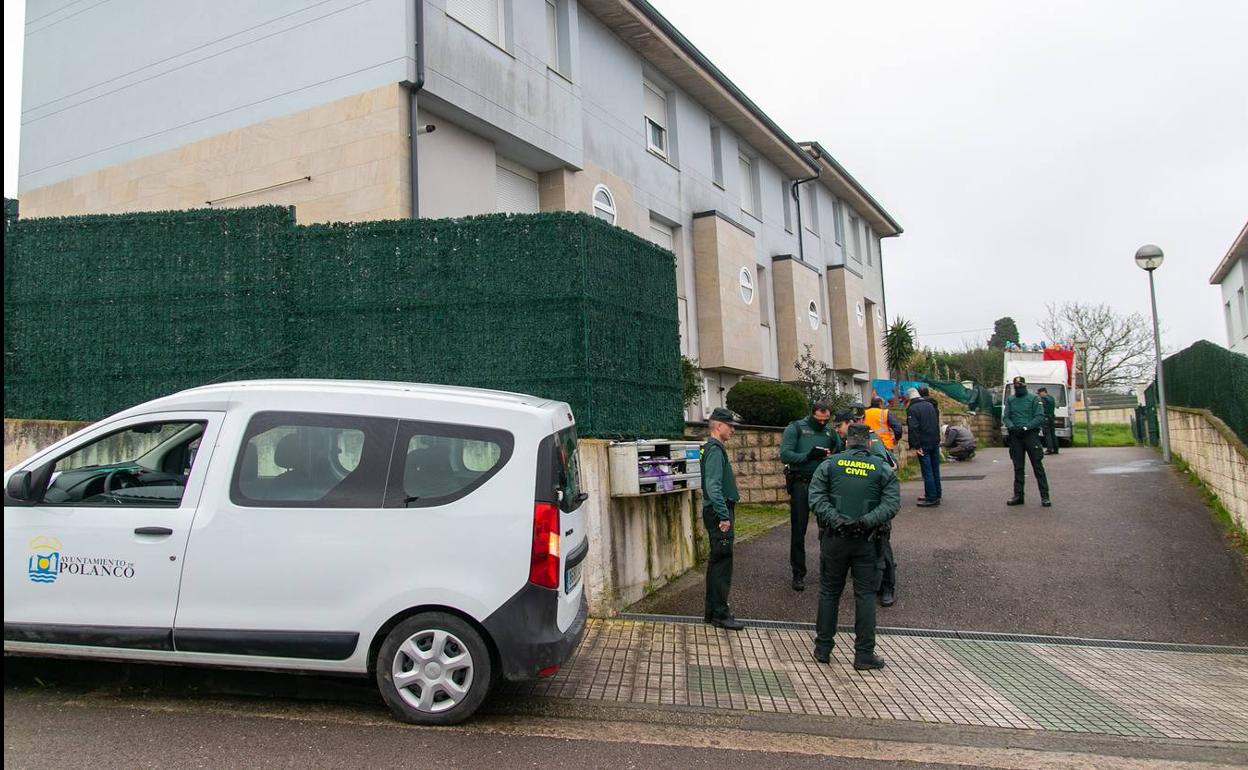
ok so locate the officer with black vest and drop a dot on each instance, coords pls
(852, 494)
(719, 502)
(806, 443)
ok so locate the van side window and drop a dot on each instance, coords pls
(438, 463)
(304, 460)
(143, 465)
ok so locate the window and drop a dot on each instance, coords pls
(861, 313)
(1230, 324)
(810, 214)
(604, 204)
(298, 460)
(747, 286)
(552, 34)
(656, 118)
(717, 157)
(856, 252)
(516, 189)
(749, 199)
(1243, 313)
(838, 222)
(485, 17)
(662, 234)
(812, 313)
(870, 247)
(143, 465)
(435, 463)
(785, 188)
(764, 310)
(568, 470)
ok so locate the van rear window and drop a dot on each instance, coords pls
(568, 468)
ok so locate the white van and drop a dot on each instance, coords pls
(428, 536)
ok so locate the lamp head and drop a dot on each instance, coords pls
(1149, 257)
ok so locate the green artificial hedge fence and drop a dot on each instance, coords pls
(102, 312)
(1206, 376)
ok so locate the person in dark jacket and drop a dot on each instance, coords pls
(923, 432)
(806, 443)
(719, 503)
(1023, 415)
(959, 442)
(1050, 421)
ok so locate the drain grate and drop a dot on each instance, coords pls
(980, 477)
(980, 636)
(740, 681)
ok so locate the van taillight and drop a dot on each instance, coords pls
(544, 563)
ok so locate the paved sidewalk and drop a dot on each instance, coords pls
(1183, 692)
(1128, 551)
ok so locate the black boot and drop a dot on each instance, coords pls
(1016, 500)
(868, 662)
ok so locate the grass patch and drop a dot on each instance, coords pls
(908, 470)
(751, 521)
(1236, 534)
(1105, 434)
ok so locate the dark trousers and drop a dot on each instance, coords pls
(962, 453)
(886, 563)
(1027, 444)
(929, 464)
(837, 557)
(718, 564)
(1050, 434)
(799, 520)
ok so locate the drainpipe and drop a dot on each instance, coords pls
(801, 234)
(412, 130)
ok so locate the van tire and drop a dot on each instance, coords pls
(420, 646)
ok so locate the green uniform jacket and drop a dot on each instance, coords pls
(1023, 411)
(797, 441)
(1050, 405)
(719, 485)
(856, 484)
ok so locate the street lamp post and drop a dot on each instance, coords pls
(1149, 258)
(1087, 411)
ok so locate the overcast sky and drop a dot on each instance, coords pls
(1027, 149)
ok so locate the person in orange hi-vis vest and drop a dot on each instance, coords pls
(885, 425)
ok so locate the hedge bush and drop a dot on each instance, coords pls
(767, 403)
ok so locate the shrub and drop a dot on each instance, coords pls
(767, 403)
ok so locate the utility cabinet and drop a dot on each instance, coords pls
(654, 467)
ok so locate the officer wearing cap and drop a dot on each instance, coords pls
(852, 494)
(719, 500)
(806, 443)
(1023, 415)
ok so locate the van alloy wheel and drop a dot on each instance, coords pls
(434, 669)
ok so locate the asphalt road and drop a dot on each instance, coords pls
(1128, 551)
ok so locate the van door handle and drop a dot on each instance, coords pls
(153, 531)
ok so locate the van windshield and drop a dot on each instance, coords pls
(1056, 390)
(568, 469)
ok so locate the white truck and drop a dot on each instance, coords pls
(1039, 373)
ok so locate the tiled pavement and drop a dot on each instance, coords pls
(1039, 684)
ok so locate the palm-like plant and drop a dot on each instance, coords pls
(899, 348)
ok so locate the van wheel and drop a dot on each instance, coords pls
(433, 669)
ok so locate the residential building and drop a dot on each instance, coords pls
(521, 106)
(1232, 276)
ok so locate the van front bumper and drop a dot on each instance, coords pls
(526, 632)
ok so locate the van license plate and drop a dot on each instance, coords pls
(571, 577)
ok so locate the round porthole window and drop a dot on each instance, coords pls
(861, 313)
(812, 310)
(747, 286)
(604, 204)
(879, 316)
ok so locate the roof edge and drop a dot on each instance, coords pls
(659, 20)
(1238, 250)
(820, 154)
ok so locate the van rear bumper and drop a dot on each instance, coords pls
(526, 632)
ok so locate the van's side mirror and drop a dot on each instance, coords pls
(20, 487)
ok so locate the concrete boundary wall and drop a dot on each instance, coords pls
(1215, 453)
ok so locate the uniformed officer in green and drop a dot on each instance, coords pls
(883, 535)
(719, 500)
(806, 443)
(1023, 415)
(852, 494)
(1050, 421)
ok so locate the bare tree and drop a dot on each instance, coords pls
(1120, 348)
